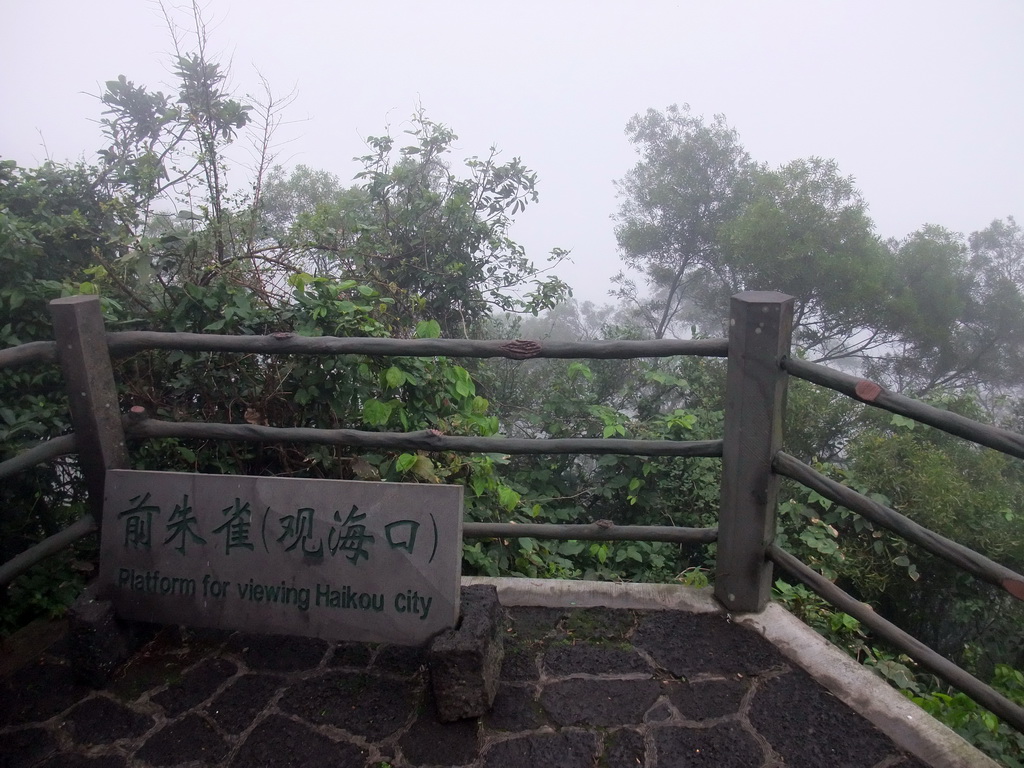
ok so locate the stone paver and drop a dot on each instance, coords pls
(580, 688)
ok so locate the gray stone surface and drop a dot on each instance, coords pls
(189, 700)
(465, 663)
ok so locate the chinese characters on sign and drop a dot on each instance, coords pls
(348, 536)
(338, 559)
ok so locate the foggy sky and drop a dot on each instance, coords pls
(920, 101)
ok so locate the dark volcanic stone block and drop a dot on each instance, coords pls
(624, 748)
(724, 746)
(197, 685)
(599, 702)
(600, 625)
(364, 704)
(278, 742)
(25, 748)
(38, 692)
(520, 663)
(430, 742)
(561, 660)
(515, 709)
(399, 659)
(707, 700)
(239, 704)
(279, 653)
(465, 662)
(352, 655)
(810, 727)
(531, 624)
(572, 749)
(99, 642)
(689, 644)
(190, 739)
(100, 721)
(83, 761)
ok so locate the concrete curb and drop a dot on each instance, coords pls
(910, 727)
(561, 593)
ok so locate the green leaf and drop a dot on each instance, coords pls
(394, 377)
(376, 413)
(187, 453)
(405, 462)
(428, 329)
(424, 469)
(507, 498)
(464, 386)
(570, 548)
(902, 422)
(816, 498)
(897, 673)
(580, 369)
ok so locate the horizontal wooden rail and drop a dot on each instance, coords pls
(600, 531)
(44, 451)
(889, 632)
(869, 392)
(424, 440)
(28, 353)
(957, 554)
(129, 342)
(18, 564)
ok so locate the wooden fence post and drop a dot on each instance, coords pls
(89, 376)
(760, 330)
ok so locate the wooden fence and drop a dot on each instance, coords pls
(752, 460)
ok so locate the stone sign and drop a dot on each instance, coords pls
(338, 559)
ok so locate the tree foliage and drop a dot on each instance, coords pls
(962, 305)
(435, 242)
(805, 232)
(687, 185)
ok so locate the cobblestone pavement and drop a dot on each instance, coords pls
(580, 687)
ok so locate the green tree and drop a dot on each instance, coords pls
(959, 307)
(55, 221)
(434, 241)
(805, 232)
(691, 180)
